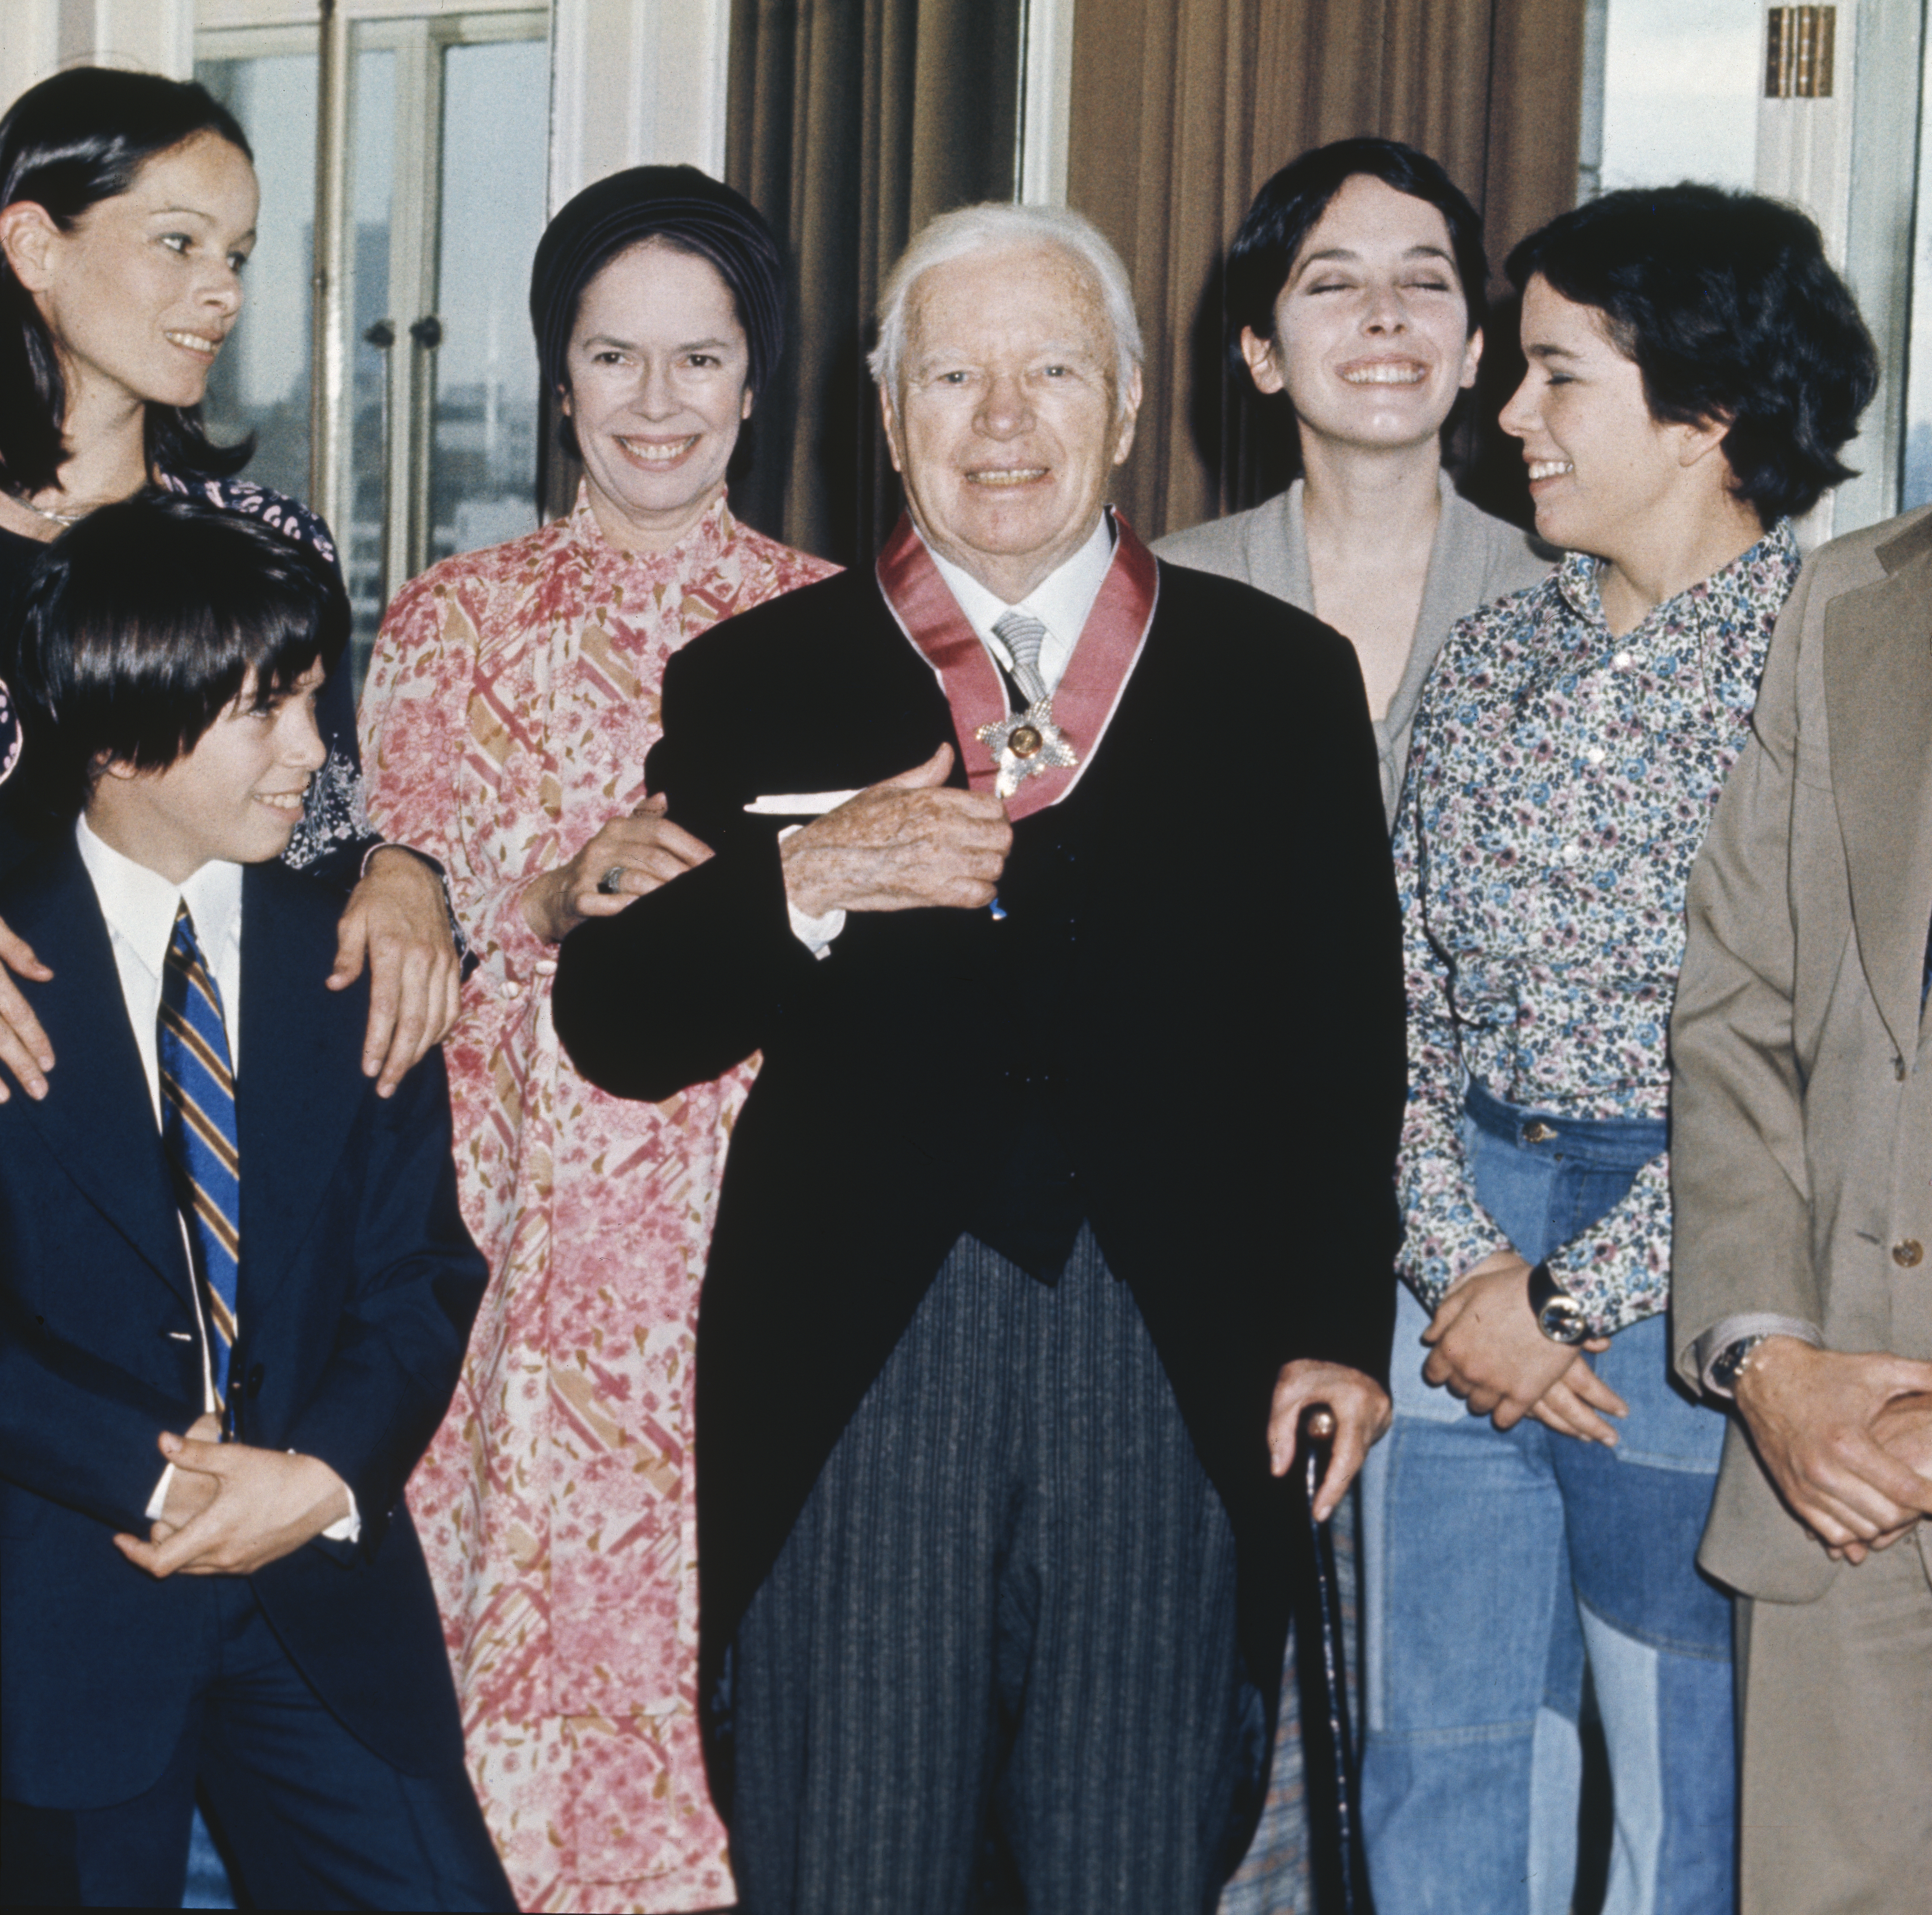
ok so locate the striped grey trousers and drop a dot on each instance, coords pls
(998, 1647)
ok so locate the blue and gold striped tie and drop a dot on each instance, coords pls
(198, 1130)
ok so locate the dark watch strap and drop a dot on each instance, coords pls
(1558, 1315)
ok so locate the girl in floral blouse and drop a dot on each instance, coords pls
(1694, 367)
(510, 702)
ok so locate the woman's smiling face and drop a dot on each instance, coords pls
(143, 291)
(1371, 340)
(657, 364)
(1607, 477)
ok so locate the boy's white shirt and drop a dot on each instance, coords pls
(139, 906)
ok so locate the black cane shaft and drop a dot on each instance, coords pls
(1317, 1437)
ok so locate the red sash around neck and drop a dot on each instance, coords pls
(1083, 702)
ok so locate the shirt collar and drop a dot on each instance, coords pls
(1061, 601)
(1578, 576)
(140, 904)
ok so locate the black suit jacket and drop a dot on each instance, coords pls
(1197, 988)
(357, 1285)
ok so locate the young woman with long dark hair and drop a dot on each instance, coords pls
(127, 210)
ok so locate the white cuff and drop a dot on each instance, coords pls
(346, 1529)
(815, 934)
(158, 1502)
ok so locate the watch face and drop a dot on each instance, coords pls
(1731, 1360)
(1561, 1320)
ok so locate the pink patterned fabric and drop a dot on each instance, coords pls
(512, 697)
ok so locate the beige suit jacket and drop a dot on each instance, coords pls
(1801, 1102)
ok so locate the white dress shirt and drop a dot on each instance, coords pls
(1060, 601)
(139, 906)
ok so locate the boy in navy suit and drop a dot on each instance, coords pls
(235, 1287)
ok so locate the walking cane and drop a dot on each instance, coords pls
(1317, 1431)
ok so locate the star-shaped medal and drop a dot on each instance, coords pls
(1024, 743)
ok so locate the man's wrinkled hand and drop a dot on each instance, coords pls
(912, 841)
(265, 1505)
(1485, 1347)
(398, 923)
(1363, 1413)
(1817, 1419)
(24, 1048)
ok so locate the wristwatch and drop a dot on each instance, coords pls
(1729, 1361)
(1558, 1315)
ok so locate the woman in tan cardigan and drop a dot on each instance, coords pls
(1355, 287)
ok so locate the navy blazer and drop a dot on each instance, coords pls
(358, 1285)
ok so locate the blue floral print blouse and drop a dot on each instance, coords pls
(1560, 785)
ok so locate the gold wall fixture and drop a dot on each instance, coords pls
(1797, 53)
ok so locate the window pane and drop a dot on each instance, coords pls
(260, 383)
(372, 174)
(1680, 82)
(483, 468)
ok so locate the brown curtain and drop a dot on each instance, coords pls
(851, 123)
(1181, 109)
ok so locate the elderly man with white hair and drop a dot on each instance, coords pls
(1049, 880)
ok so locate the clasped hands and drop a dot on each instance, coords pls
(232, 1509)
(1486, 1347)
(1846, 1438)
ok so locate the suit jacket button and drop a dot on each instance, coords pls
(255, 1379)
(1907, 1254)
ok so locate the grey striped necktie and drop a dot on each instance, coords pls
(1022, 636)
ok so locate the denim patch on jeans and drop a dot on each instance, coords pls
(1495, 1564)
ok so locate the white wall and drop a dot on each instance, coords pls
(635, 82)
(1682, 85)
(1680, 82)
(39, 37)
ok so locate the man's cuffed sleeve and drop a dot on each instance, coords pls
(419, 1280)
(1713, 1344)
(1739, 1179)
(815, 934)
(347, 1528)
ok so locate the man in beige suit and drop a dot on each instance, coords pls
(1801, 1175)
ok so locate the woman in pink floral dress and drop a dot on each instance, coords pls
(512, 698)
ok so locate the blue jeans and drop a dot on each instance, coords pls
(1497, 1564)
